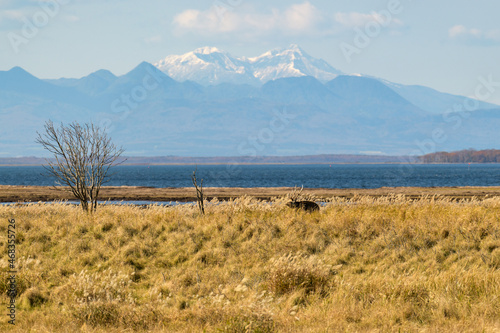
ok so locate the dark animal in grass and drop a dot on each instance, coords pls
(307, 206)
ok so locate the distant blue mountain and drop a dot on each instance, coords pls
(92, 85)
(18, 81)
(433, 101)
(151, 114)
(373, 101)
(299, 90)
(21, 83)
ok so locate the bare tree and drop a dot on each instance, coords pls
(199, 192)
(83, 156)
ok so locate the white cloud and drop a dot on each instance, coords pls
(371, 152)
(11, 19)
(16, 15)
(301, 19)
(473, 35)
(209, 21)
(154, 39)
(360, 20)
(456, 31)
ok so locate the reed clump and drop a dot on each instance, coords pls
(361, 264)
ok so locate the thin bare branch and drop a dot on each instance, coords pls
(83, 156)
(199, 192)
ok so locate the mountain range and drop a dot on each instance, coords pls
(210, 66)
(209, 103)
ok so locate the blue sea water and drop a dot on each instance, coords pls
(309, 176)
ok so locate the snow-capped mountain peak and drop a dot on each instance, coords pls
(207, 50)
(209, 66)
(292, 50)
(291, 62)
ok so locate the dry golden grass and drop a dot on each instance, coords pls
(362, 264)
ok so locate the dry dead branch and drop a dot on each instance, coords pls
(199, 192)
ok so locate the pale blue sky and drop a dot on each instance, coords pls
(446, 45)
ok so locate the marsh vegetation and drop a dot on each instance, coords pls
(359, 264)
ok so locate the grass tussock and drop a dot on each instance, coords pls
(363, 264)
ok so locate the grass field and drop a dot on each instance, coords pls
(386, 264)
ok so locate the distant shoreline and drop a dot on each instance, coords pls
(276, 163)
(490, 156)
(10, 193)
(246, 163)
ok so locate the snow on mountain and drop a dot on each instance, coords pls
(209, 66)
(291, 62)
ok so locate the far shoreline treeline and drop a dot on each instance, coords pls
(462, 156)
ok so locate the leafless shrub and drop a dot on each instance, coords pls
(83, 156)
(199, 192)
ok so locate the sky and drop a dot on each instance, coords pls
(449, 45)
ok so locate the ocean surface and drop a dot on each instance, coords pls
(312, 176)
